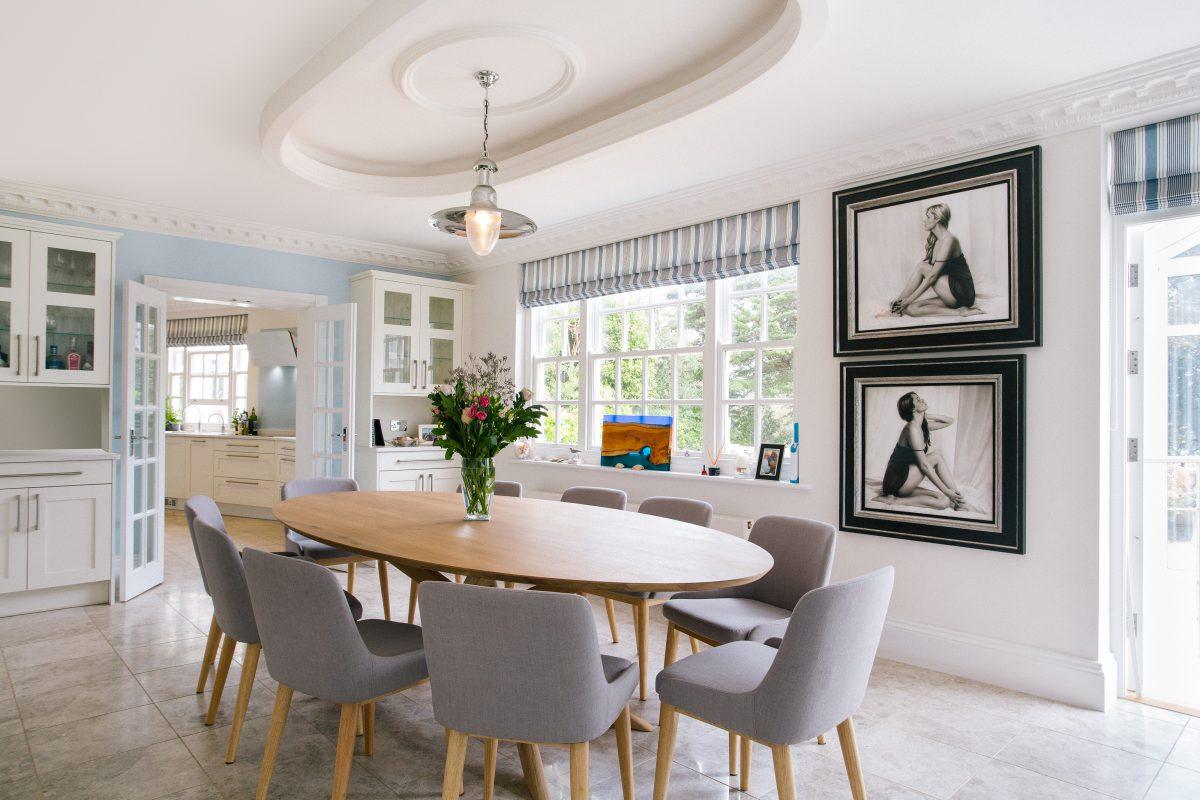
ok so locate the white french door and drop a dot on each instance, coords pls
(143, 457)
(1164, 400)
(325, 392)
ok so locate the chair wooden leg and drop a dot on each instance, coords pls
(219, 680)
(745, 748)
(785, 783)
(612, 619)
(672, 641)
(350, 577)
(245, 687)
(283, 702)
(733, 753)
(210, 653)
(535, 775)
(858, 788)
(412, 601)
(668, 719)
(368, 723)
(383, 590)
(820, 738)
(695, 645)
(345, 750)
(458, 578)
(456, 756)
(625, 753)
(579, 771)
(490, 746)
(509, 584)
(643, 645)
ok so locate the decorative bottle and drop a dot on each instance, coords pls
(53, 360)
(73, 359)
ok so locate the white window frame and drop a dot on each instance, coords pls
(231, 404)
(717, 343)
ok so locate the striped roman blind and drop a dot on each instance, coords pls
(736, 245)
(196, 331)
(1156, 166)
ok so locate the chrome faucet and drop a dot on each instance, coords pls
(220, 420)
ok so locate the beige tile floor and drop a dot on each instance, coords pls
(99, 703)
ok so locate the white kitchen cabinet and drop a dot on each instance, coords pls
(200, 466)
(56, 289)
(406, 469)
(70, 535)
(13, 538)
(177, 468)
(235, 470)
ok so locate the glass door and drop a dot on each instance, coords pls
(143, 474)
(69, 300)
(440, 329)
(14, 305)
(325, 393)
(396, 309)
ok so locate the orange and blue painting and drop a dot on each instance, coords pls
(636, 441)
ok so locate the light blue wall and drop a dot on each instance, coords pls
(277, 398)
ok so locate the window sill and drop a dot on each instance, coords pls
(655, 475)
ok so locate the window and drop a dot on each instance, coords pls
(715, 356)
(208, 383)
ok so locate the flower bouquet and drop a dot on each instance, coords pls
(477, 417)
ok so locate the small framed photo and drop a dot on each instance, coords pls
(770, 462)
(425, 433)
(934, 450)
(948, 259)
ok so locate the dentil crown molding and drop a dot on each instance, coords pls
(109, 211)
(1127, 94)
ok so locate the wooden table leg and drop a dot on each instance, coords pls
(474, 580)
(531, 765)
(639, 724)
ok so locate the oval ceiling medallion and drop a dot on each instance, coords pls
(383, 108)
(537, 66)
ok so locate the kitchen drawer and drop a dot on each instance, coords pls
(246, 492)
(54, 473)
(438, 479)
(255, 466)
(287, 448)
(246, 444)
(285, 467)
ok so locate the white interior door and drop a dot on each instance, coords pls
(143, 458)
(325, 393)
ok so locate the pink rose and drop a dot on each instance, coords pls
(484, 401)
(482, 415)
(467, 415)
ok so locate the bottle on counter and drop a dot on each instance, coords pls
(73, 357)
(252, 423)
(53, 359)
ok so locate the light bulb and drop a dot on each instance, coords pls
(483, 229)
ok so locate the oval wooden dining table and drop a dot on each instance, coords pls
(548, 544)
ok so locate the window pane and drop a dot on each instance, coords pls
(573, 336)
(777, 379)
(568, 423)
(781, 315)
(548, 427)
(1183, 300)
(691, 377)
(659, 410)
(631, 379)
(547, 381)
(689, 427)
(639, 330)
(223, 363)
(744, 282)
(196, 364)
(658, 378)
(777, 424)
(693, 325)
(552, 338)
(666, 327)
(745, 314)
(741, 425)
(610, 333)
(606, 385)
(1181, 527)
(782, 277)
(176, 356)
(1183, 395)
(739, 374)
(241, 382)
(241, 358)
(629, 409)
(568, 380)
(1181, 485)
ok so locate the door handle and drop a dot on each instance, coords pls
(18, 354)
(430, 489)
(413, 379)
(37, 356)
(239, 455)
(420, 483)
(18, 528)
(37, 510)
(424, 374)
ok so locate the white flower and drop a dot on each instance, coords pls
(526, 394)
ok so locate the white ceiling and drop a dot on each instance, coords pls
(161, 102)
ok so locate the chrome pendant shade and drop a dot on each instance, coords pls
(483, 223)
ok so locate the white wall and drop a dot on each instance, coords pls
(52, 417)
(1035, 622)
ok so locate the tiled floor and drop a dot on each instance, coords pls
(99, 703)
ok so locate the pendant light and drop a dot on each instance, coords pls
(482, 222)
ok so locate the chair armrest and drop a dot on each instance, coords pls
(770, 631)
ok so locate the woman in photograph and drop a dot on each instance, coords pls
(944, 270)
(915, 460)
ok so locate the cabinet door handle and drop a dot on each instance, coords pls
(18, 528)
(37, 510)
(37, 356)
(420, 483)
(424, 374)
(40, 474)
(239, 455)
(18, 354)
(242, 483)
(413, 379)
(430, 489)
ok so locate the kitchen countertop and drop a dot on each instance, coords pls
(195, 435)
(22, 456)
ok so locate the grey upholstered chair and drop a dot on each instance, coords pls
(604, 498)
(315, 647)
(522, 667)
(803, 552)
(324, 554)
(814, 681)
(202, 507)
(684, 509)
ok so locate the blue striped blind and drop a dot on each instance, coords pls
(1156, 166)
(736, 245)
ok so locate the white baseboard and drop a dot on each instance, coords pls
(27, 602)
(1045, 673)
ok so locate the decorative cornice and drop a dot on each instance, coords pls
(112, 212)
(1120, 94)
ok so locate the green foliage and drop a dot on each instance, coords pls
(170, 417)
(481, 415)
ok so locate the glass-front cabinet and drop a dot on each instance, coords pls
(416, 335)
(55, 308)
(396, 310)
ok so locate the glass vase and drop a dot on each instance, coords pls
(478, 484)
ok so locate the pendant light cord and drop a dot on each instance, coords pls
(486, 107)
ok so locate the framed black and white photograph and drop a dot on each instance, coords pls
(934, 450)
(770, 462)
(946, 259)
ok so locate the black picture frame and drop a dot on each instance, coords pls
(763, 449)
(871, 423)
(867, 252)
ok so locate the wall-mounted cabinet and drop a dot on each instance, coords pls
(55, 307)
